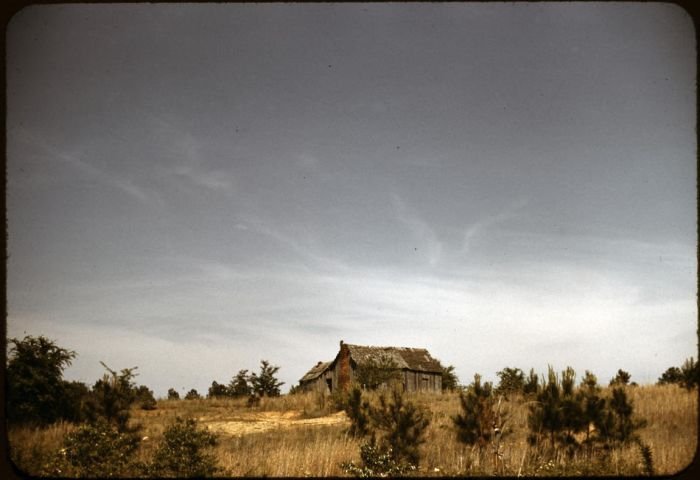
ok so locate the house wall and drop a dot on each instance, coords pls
(422, 381)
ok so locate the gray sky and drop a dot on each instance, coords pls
(194, 188)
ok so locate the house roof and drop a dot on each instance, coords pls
(418, 359)
(315, 372)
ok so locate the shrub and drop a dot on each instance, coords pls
(532, 384)
(98, 450)
(183, 452)
(173, 395)
(377, 461)
(217, 390)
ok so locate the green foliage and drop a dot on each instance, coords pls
(671, 375)
(619, 425)
(375, 372)
(377, 461)
(183, 452)
(36, 390)
(402, 425)
(511, 380)
(111, 397)
(474, 425)
(95, 450)
(690, 370)
(217, 390)
(240, 384)
(144, 398)
(647, 457)
(192, 395)
(532, 384)
(450, 382)
(74, 400)
(621, 378)
(265, 383)
(358, 411)
(173, 395)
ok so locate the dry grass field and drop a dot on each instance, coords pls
(300, 435)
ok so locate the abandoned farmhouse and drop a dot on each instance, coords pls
(415, 368)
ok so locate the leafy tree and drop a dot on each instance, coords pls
(621, 378)
(97, 451)
(240, 384)
(265, 383)
(511, 380)
(173, 395)
(374, 372)
(183, 452)
(450, 381)
(217, 390)
(671, 375)
(474, 425)
(35, 386)
(192, 395)
(74, 400)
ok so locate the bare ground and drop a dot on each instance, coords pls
(258, 422)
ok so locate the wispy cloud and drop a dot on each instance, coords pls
(422, 232)
(482, 225)
(73, 158)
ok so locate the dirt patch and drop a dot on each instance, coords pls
(258, 422)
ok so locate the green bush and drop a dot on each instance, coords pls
(111, 397)
(173, 395)
(474, 425)
(98, 451)
(183, 452)
(192, 395)
(145, 399)
(377, 461)
(358, 411)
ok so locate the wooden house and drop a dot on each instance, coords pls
(417, 369)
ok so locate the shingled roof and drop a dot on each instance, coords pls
(315, 372)
(417, 359)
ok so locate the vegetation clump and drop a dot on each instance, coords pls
(184, 452)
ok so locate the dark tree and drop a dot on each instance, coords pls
(111, 397)
(671, 375)
(265, 384)
(35, 386)
(145, 398)
(621, 378)
(532, 384)
(690, 370)
(240, 384)
(192, 395)
(450, 381)
(511, 380)
(218, 390)
(173, 395)
(358, 411)
(474, 425)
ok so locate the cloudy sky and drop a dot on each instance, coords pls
(194, 188)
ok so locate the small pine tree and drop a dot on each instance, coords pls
(532, 384)
(358, 411)
(690, 373)
(112, 396)
(621, 378)
(173, 395)
(474, 425)
(145, 399)
(265, 384)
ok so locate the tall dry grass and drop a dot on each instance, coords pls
(318, 450)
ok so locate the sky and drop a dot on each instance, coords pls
(194, 188)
